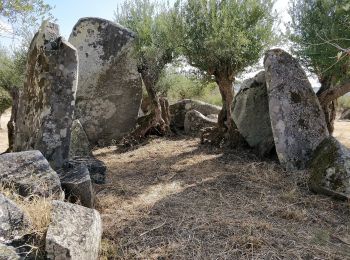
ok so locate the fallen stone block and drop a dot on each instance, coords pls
(330, 169)
(30, 173)
(195, 122)
(76, 183)
(97, 168)
(74, 233)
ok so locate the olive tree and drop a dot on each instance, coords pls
(155, 46)
(321, 39)
(222, 38)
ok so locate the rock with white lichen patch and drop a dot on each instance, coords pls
(109, 89)
(74, 233)
(297, 120)
(46, 103)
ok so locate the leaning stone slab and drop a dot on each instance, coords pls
(8, 253)
(30, 173)
(74, 233)
(13, 221)
(76, 183)
(251, 114)
(79, 142)
(97, 168)
(330, 169)
(46, 104)
(195, 122)
(297, 120)
(109, 89)
(179, 109)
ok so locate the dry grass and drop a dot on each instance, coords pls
(174, 199)
(38, 210)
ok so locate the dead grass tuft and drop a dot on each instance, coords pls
(175, 199)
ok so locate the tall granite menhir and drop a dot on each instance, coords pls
(109, 88)
(297, 120)
(46, 103)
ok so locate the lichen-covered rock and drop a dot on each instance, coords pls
(330, 169)
(179, 109)
(251, 114)
(74, 232)
(109, 89)
(8, 253)
(97, 168)
(79, 142)
(195, 122)
(46, 104)
(297, 120)
(76, 183)
(13, 221)
(30, 173)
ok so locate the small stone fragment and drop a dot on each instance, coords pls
(74, 233)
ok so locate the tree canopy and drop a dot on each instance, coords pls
(321, 36)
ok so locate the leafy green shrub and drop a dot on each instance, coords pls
(5, 100)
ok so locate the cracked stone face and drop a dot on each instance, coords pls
(297, 120)
(46, 103)
(109, 89)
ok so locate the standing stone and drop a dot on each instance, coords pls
(30, 173)
(251, 114)
(79, 142)
(109, 89)
(46, 104)
(297, 120)
(13, 221)
(74, 233)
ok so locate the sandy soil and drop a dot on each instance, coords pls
(342, 132)
(5, 117)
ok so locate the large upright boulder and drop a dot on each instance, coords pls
(30, 173)
(179, 109)
(297, 120)
(330, 169)
(46, 104)
(251, 114)
(74, 232)
(109, 89)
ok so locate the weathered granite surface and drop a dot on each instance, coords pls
(297, 120)
(179, 109)
(109, 89)
(79, 142)
(330, 169)
(74, 233)
(13, 221)
(251, 114)
(30, 173)
(46, 103)
(8, 253)
(195, 122)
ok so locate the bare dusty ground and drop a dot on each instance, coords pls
(176, 199)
